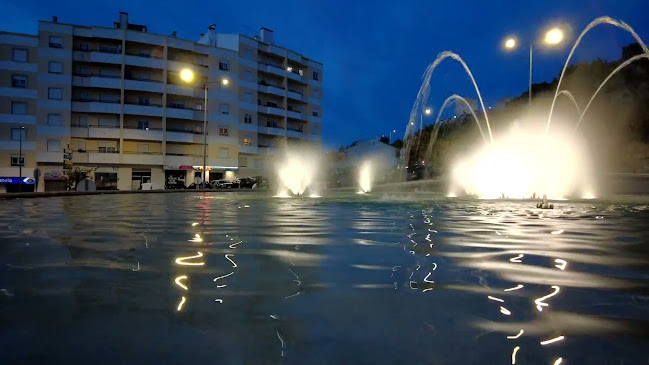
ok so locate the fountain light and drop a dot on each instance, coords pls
(365, 177)
(297, 173)
(553, 36)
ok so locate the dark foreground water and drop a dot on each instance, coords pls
(244, 279)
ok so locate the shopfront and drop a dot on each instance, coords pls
(106, 178)
(54, 178)
(178, 177)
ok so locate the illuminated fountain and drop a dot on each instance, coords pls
(365, 178)
(528, 161)
(297, 173)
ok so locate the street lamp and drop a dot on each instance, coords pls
(428, 111)
(20, 159)
(187, 75)
(553, 37)
(392, 131)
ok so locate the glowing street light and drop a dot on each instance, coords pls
(225, 82)
(392, 131)
(428, 111)
(187, 75)
(553, 36)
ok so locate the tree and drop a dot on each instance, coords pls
(385, 140)
(76, 175)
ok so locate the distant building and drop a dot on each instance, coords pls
(382, 156)
(111, 99)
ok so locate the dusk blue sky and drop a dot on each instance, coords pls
(375, 52)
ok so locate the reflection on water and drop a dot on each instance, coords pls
(344, 279)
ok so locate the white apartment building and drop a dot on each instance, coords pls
(113, 97)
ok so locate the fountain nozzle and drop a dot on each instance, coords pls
(544, 204)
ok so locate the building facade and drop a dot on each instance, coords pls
(112, 100)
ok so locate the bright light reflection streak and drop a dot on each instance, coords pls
(558, 232)
(291, 296)
(517, 336)
(234, 245)
(553, 340)
(233, 264)
(194, 224)
(223, 276)
(282, 341)
(218, 300)
(517, 258)
(505, 311)
(178, 282)
(428, 238)
(519, 286)
(514, 354)
(558, 361)
(181, 260)
(561, 264)
(182, 302)
(138, 267)
(496, 299)
(540, 301)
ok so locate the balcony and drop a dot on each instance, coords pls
(315, 137)
(294, 133)
(49, 157)
(179, 112)
(295, 95)
(182, 90)
(249, 127)
(181, 159)
(271, 130)
(86, 80)
(270, 110)
(144, 61)
(49, 130)
(184, 136)
(15, 145)
(270, 89)
(295, 76)
(17, 118)
(272, 69)
(153, 86)
(94, 132)
(268, 150)
(97, 56)
(101, 157)
(149, 134)
(140, 158)
(153, 110)
(95, 106)
(277, 51)
(294, 114)
(314, 119)
(248, 149)
(294, 57)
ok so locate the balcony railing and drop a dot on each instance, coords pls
(96, 75)
(142, 153)
(184, 154)
(294, 129)
(142, 79)
(142, 129)
(143, 55)
(105, 50)
(94, 126)
(89, 100)
(144, 104)
(177, 130)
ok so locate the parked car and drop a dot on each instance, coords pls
(247, 182)
(221, 184)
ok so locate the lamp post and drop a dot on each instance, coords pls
(20, 159)
(392, 131)
(552, 37)
(187, 75)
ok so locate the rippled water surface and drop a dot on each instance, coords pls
(248, 279)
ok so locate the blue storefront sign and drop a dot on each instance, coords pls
(17, 180)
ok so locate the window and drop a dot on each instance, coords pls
(243, 161)
(144, 100)
(83, 46)
(109, 49)
(55, 93)
(18, 107)
(109, 73)
(17, 160)
(271, 123)
(224, 153)
(143, 148)
(144, 53)
(55, 67)
(107, 149)
(81, 146)
(19, 55)
(83, 96)
(108, 122)
(18, 134)
(316, 75)
(316, 93)
(143, 124)
(53, 145)
(54, 120)
(84, 71)
(247, 75)
(224, 108)
(223, 131)
(83, 121)
(247, 141)
(19, 81)
(247, 118)
(247, 54)
(109, 98)
(223, 65)
(314, 129)
(315, 112)
(145, 75)
(247, 97)
(56, 42)
(199, 106)
(198, 128)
